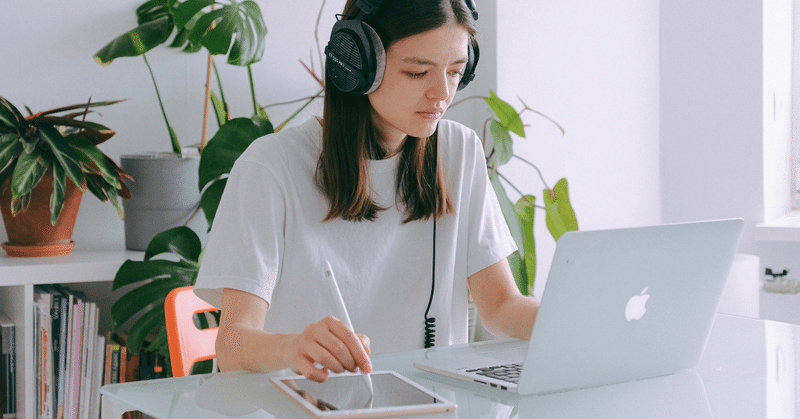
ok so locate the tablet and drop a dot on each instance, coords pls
(347, 395)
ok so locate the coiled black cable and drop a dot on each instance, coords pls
(430, 322)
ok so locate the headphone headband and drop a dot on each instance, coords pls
(355, 57)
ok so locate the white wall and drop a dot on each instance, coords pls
(725, 116)
(47, 49)
(594, 68)
(711, 111)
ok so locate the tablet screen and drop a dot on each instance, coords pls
(348, 394)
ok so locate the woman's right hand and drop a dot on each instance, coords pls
(328, 344)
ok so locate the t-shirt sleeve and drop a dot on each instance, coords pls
(246, 239)
(490, 240)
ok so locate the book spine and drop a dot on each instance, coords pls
(75, 371)
(97, 377)
(10, 378)
(62, 358)
(69, 351)
(87, 357)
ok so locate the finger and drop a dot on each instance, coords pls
(328, 353)
(309, 369)
(365, 343)
(355, 348)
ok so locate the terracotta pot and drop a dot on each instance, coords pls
(30, 232)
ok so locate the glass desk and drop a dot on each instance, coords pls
(750, 369)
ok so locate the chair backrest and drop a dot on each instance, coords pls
(187, 343)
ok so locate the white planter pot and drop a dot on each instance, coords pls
(164, 194)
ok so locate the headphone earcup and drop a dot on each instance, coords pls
(473, 53)
(355, 58)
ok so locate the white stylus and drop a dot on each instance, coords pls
(343, 312)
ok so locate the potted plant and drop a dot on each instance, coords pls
(235, 29)
(47, 161)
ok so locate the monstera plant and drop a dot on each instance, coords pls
(235, 29)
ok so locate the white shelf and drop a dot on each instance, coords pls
(782, 229)
(17, 278)
(81, 265)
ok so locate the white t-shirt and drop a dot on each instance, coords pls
(268, 239)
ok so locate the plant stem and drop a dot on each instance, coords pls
(219, 84)
(537, 170)
(552, 121)
(517, 190)
(252, 89)
(460, 101)
(308, 102)
(206, 103)
(176, 147)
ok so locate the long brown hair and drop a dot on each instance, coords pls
(350, 140)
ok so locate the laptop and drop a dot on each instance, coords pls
(619, 305)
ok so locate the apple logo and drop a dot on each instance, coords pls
(636, 306)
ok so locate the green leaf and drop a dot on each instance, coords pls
(139, 331)
(509, 214)
(503, 144)
(525, 211)
(139, 298)
(248, 46)
(226, 146)
(218, 39)
(29, 171)
(10, 148)
(93, 160)
(187, 10)
(137, 41)
(133, 271)
(560, 215)
(181, 241)
(203, 25)
(59, 192)
(210, 199)
(10, 116)
(517, 266)
(65, 155)
(160, 342)
(154, 9)
(220, 109)
(506, 113)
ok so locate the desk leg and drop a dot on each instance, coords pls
(113, 409)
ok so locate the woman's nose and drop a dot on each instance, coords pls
(439, 88)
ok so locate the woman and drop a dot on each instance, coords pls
(395, 198)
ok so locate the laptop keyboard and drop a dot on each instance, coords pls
(506, 372)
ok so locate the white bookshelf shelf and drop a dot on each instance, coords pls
(17, 279)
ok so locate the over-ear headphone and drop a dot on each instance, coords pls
(355, 57)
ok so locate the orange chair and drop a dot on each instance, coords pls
(187, 343)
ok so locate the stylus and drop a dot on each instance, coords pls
(337, 296)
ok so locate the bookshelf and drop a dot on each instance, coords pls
(90, 270)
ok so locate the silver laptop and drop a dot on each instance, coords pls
(619, 305)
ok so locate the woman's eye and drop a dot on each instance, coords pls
(416, 75)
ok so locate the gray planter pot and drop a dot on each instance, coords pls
(164, 195)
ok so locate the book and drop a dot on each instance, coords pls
(88, 358)
(60, 314)
(97, 377)
(8, 378)
(43, 302)
(115, 362)
(72, 396)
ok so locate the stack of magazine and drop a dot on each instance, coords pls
(69, 354)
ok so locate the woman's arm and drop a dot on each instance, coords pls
(242, 343)
(503, 309)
